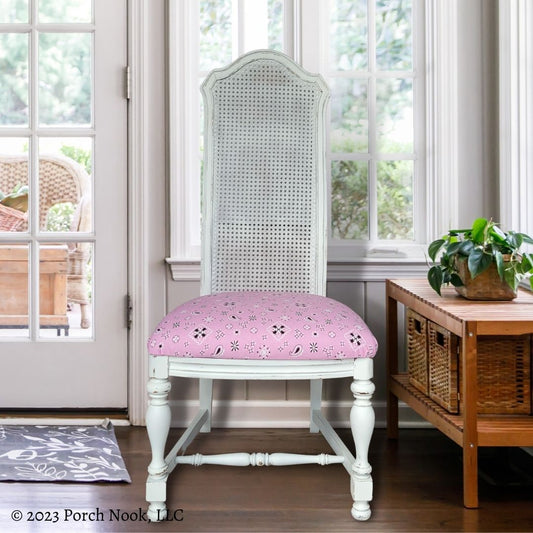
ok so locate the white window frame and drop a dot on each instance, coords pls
(438, 153)
(516, 114)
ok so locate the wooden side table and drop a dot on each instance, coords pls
(467, 319)
(52, 286)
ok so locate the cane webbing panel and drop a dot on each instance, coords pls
(263, 178)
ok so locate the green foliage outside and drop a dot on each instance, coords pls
(64, 79)
(13, 79)
(80, 155)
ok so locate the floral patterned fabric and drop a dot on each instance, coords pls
(263, 325)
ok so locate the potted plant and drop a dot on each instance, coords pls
(482, 263)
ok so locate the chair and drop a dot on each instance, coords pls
(60, 180)
(262, 313)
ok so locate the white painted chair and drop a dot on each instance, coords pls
(262, 313)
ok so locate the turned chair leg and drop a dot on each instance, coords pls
(362, 420)
(157, 425)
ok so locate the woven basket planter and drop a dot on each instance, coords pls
(11, 219)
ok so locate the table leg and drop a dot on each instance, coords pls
(392, 366)
(469, 396)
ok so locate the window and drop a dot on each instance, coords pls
(516, 114)
(371, 54)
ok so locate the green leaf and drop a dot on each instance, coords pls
(527, 262)
(515, 240)
(434, 247)
(454, 248)
(498, 235)
(458, 231)
(498, 257)
(478, 262)
(526, 238)
(466, 247)
(478, 230)
(511, 279)
(456, 280)
(435, 278)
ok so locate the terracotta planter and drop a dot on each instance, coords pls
(486, 286)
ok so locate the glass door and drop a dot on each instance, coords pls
(62, 203)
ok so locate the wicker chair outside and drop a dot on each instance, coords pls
(60, 180)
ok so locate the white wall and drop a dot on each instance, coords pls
(247, 403)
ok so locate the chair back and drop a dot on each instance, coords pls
(264, 183)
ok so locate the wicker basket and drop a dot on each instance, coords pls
(11, 219)
(417, 350)
(503, 372)
(443, 367)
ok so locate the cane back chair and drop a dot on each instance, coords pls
(262, 313)
(61, 179)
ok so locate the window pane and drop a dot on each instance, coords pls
(348, 33)
(13, 183)
(349, 115)
(13, 79)
(349, 202)
(65, 295)
(215, 33)
(14, 289)
(394, 115)
(394, 39)
(65, 166)
(65, 11)
(395, 200)
(65, 79)
(275, 24)
(13, 11)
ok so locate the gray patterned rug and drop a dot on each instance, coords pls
(60, 453)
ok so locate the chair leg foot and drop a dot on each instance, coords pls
(157, 511)
(361, 511)
(362, 420)
(157, 425)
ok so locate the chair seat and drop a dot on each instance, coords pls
(263, 325)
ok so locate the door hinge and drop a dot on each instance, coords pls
(127, 82)
(129, 311)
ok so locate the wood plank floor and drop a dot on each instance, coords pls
(417, 480)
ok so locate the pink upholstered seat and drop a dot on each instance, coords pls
(263, 325)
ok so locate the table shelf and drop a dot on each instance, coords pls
(493, 430)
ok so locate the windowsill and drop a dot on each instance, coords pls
(374, 267)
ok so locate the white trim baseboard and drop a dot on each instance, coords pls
(284, 414)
